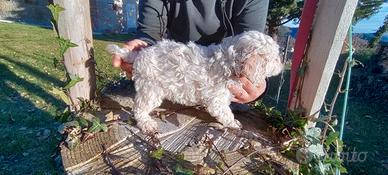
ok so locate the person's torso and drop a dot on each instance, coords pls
(202, 21)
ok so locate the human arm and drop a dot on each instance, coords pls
(151, 27)
(252, 16)
(152, 22)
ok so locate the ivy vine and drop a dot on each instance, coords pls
(76, 127)
(316, 155)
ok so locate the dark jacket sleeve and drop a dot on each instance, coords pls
(152, 21)
(252, 16)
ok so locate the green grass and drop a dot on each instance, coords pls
(27, 73)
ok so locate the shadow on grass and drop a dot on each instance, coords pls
(8, 77)
(34, 72)
(21, 120)
(35, 55)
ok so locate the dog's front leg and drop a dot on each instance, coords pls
(146, 100)
(219, 108)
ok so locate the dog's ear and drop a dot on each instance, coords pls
(251, 65)
(256, 67)
(256, 54)
(274, 65)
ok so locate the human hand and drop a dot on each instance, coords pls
(135, 44)
(248, 92)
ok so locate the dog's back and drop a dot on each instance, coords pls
(179, 70)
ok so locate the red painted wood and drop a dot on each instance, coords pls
(302, 37)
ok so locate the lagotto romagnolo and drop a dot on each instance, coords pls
(191, 74)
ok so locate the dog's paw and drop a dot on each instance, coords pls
(238, 123)
(148, 127)
(234, 124)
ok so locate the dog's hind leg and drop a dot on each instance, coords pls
(147, 98)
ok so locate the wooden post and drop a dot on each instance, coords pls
(331, 23)
(75, 24)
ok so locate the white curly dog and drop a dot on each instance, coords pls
(191, 74)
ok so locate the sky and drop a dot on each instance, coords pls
(369, 25)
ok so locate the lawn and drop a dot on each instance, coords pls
(27, 108)
(28, 130)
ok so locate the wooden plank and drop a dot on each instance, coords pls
(91, 149)
(183, 130)
(331, 23)
(128, 150)
(75, 24)
(130, 155)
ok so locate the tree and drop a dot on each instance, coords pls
(366, 8)
(379, 33)
(281, 12)
(75, 31)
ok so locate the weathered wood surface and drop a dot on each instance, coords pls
(74, 23)
(332, 21)
(125, 150)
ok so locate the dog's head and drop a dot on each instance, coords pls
(256, 55)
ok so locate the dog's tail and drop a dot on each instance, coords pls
(124, 53)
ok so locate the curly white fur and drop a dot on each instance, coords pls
(198, 75)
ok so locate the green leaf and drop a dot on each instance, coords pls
(97, 126)
(74, 80)
(305, 169)
(157, 154)
(335, 162)
(340, 145)
(331, 138)
(302, 70)
(63, 116)
(65, 44)
(62, 95)
(180, 157)
(54, 27)
(55, 9)
(343, 169)
(179, 170)
(104, 127)
(131, 121)
(72, 142)
(83, 122)
(61, 128)
(322, 168)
